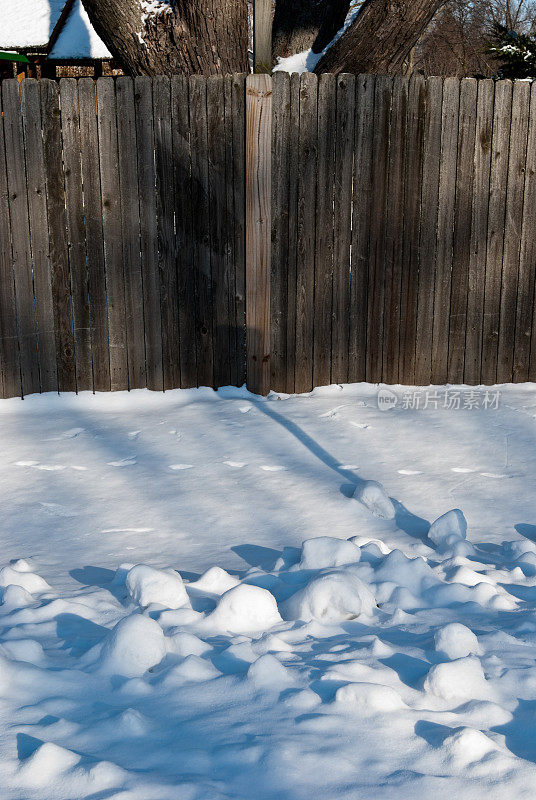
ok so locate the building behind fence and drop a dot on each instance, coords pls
(397, 214)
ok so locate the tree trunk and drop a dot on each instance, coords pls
(381, 37)
(177, 36)
(303, 24)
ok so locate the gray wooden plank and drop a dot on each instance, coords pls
(294, 149)
(111, 224)
(327, 99)
(10, 375)
(376, 275)
(38, 217)
(130, 230)
(515, 189)
(343, 170)
(361, 212)
(220, 228)
(230, 235)
(428, 231)
(20, 236)
(413, 154)
(143, 99)
(306, 222)
(525, 335)
(495, 231)
(186, 282)
(57, 232)
(76, 232)
(89, 151)
(479, 232)
(393, 230)
(462, 230)
(201, 229)
(445, 229)
(238, 95)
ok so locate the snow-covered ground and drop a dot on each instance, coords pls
(385, 658)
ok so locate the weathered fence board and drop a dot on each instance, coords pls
(369, 228)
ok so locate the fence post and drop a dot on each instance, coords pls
(262, 36)
(258, 230)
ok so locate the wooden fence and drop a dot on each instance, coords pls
(135, 220)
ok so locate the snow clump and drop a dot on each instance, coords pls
(245, 609)
(448, 529)
(374, 497)
(326, 551)
(147, 585)
(133, 646)
(330, 597)
(456, 641)
(458, 680)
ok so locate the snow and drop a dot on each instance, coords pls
(78, 39)
(191, 634)
(28, 24)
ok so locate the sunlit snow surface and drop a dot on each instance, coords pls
(374, 662)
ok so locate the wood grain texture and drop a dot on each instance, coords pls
(258, 230)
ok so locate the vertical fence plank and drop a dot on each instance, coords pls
(479, 232)
(292, 286)
(258, 228)
(143, 99)
(230, 235)
(393, 230)
(10, 376)
(496, 223)
(445, 229)
(413, 153)
(89, 149)
(361, 212)
(201, 229)
(76, 233)
(279, 299)
(322, 352)
(462, 230)
(111, 219)
(308, 144)
(130, 231)
(183, 221)
(376, 280)
(220, 229)
(515, 189)
(238, 111)
(524, 353)
(342, 202)
(428, 230)
(167, 253)
(57, 228)
(38, 217)
(20, 237)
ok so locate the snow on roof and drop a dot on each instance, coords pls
(28, 24)
(78, 38)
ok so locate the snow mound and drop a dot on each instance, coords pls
(374, 497)
(328, 552)
(456, 641)
(369, 697)
(467, 746)
(245, 609)
(267, 672)
(185, 644)
(48, 763)
(33, 584)
(458, 680)
(133, 646)
(147, 585)
(328, 598)
(448, 529)
(215, 581)
(15, 597)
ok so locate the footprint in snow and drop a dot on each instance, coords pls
(349, 466)
(409, 472)
(493, 475)
(124, 462)
(235, 464)
(462, 469)
(245, 409)
(73, 433)
(359, 425)
(181, 466)
(275, 468)
(133, 434)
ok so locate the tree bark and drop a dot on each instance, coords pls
(205, 37)
(381, 37)
(303, 24)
